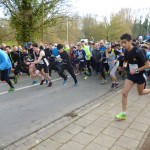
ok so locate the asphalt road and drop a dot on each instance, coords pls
(32, 107)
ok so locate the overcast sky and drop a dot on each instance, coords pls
(104, 7)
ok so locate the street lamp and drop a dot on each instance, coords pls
(68, 21)
(42, 20)
(67, 32)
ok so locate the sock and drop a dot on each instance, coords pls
(124, 113)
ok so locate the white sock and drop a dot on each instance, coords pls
(124, 113)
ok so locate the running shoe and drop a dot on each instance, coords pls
(113, 85)
(116, 84)
(11, 89)
(75, 84)
(34, 82)
(42, 81)
(50, 84)
(65, 82)
(120, 116)
(86, 77)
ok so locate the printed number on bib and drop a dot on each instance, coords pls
(133, 66)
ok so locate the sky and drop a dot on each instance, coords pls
(103, 8)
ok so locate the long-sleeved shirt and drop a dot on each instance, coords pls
(96, 55)
(5, 62)
(65, 57)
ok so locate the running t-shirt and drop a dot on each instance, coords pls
(112, 55)
(43, 61)
(136, 58)
(87, 52)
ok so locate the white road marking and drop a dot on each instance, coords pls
(25, 87)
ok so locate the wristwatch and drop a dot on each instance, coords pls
(136, 71)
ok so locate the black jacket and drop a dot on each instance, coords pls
(96, 55)
(65, 58)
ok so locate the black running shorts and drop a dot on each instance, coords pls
(139, 78)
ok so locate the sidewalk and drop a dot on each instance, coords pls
(93, 127)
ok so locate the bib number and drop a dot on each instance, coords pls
(133, 66)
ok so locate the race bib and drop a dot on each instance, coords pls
(46, 62)
(133, 66)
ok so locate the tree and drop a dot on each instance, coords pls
(141, 23)
(6, 32)
(89, 23)
(58, 33)
(109, 28)
(31, 17)
(117, 24)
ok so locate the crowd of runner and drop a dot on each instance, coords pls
(88, 59)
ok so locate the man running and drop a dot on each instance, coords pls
(137, 62)
(5, 68)
(65, 65)
(42, 64)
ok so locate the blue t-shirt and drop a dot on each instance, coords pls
(55, 52)
(148, 55)
(5, 62)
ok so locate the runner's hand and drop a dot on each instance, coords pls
(132, 71)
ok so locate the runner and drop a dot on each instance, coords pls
(81, 58)
(42, 63)
(30, 58)
(111, 56)
(88, 58)
(5, 68)
(65, 65)
(137, 62)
